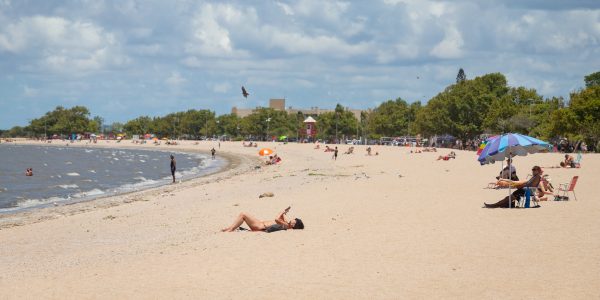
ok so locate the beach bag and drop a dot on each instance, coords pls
(274, 228)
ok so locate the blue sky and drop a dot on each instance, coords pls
(127, 58)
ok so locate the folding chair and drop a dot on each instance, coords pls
(530, 192)
(565, 188)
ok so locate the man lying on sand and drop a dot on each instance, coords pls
(255, 224)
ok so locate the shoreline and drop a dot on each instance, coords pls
(233, 163)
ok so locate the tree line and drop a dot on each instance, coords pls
(465, 109)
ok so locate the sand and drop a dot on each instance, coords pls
(392, 226)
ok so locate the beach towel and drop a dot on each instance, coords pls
(274, 228)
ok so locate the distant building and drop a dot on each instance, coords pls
(279, 105)
(309, 131)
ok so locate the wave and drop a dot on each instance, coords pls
(73, 174)
(90, 193)
(69, 186)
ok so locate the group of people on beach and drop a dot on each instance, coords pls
(539, 182)
(273, 160)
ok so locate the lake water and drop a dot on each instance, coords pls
(71, 174)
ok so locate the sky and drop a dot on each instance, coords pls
(127, 58)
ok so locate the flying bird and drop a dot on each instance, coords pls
(244, 93)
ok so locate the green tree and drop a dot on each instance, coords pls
(460, 77)
(266, 123)
(138, 126)
(585, 105)
(229, 125)
(340, 122)
(592, 79)
(391, 118)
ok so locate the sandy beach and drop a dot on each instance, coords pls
(396, 225)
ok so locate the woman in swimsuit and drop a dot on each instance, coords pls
(258, 225)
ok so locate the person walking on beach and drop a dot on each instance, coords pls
(212, 152)
(335, 153)
(173, 167)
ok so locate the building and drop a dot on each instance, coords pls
(309, 130)
(279, 105)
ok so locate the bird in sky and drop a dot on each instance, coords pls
(244, 92)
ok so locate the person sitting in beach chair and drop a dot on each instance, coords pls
(350, 151)
(279, 223)
(447, 157)
(534, 182)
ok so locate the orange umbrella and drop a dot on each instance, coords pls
(265, 151)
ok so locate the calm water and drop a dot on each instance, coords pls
(71, 174)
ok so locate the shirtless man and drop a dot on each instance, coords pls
(258, 225)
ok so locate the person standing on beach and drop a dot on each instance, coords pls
(173, 167)
(213, 151)
(335, 153)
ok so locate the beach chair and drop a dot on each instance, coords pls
(565, 188)
(533, 200)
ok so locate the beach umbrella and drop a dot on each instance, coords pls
(483, 143)
(510, 145)
(265, 152)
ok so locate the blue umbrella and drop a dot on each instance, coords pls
(510, 145)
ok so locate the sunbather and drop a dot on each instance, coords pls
(350, 150)
(258, 225)
(447, 157)
(534, 181)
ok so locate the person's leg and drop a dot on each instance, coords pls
(516, 195)
(173, 174)
(252, 222)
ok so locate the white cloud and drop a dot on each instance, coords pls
(450, 46)
(286, 8)
(62, 45)
(208, 36)
(29, 92)
(175, 79)
(221, 88)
